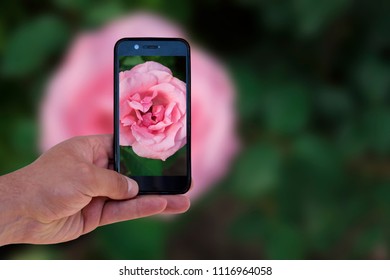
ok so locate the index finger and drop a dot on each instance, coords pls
(102, 149)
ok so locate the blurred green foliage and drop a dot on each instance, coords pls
(44, 36)
(313, 79)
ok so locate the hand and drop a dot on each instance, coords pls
(68, 192)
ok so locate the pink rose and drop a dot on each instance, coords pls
(213, 136)
(79, 97)
(152, 111)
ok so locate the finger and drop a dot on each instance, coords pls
(102, 149)
(111, 184)
(91, 213)
(176, 204)
(142, 206)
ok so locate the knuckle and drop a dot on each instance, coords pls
(121, 184)
(85, 174)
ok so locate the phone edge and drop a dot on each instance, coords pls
(188, 104)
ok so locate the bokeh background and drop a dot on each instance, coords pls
(312, 79)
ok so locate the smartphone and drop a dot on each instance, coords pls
(152, 141)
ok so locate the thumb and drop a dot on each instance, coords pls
(111, 184)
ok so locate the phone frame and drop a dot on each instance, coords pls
(167, 47)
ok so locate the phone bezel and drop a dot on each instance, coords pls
(167, 47)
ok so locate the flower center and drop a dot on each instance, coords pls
(154, 115)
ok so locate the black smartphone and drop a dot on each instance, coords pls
(152, 113)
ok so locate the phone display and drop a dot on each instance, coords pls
(152, 113)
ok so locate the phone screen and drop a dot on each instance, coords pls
(152, 113)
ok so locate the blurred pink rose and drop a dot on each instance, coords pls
(213, 135)
(79, 97)
(153, 129)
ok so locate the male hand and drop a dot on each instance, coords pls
(68, 192)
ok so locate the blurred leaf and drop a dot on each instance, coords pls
(32, 44)
(312, 149)
(323, 222)
(19, 143)
(99, 13)
(249, 227)
(351, 140)
(24, 137)
(334, 103)
(274, 100)
(251, 90)
(376, 129)
(382, 198)
(75, 5)
(137, 239)
(134, 165)
(279, 240)
(312, 16)
(372, 79)
(284, 242)
(181, 13)
(314, 170)
(318, 220)
(257, 171)
(317, 154)
(277, 14)
(286, 107)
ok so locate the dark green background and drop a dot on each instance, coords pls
(313, 80)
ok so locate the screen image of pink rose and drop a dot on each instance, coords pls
(152, 115)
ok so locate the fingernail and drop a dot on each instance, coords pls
(132, 186)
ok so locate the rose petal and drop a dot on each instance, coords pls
(168, 93)
(126, 138)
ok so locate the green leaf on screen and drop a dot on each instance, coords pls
(139, 166)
